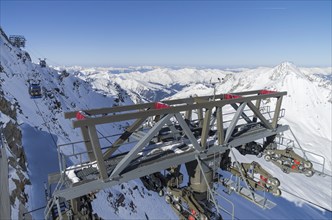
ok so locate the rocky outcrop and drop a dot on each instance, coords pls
(16, 159)
(6, 107)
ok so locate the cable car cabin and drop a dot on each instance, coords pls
(42, 62)
(35, 91)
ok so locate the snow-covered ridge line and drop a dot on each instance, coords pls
(42, 123)
(308, 103)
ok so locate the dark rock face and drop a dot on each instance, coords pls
(13, 136)
(7, 108)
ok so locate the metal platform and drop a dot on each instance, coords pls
(252, 196)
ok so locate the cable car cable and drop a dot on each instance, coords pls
(45, 122)
(315, 204)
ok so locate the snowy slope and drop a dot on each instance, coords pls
(308, 108)
(43, 126)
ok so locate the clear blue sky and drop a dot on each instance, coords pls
(192, 33)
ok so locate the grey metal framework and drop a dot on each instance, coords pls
(222, 122)
(17, 40)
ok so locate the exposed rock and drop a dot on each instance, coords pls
(7, 108)
(17, 159)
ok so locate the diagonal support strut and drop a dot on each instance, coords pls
(234, 121)
(259, 115)
(187, 131)
(139, 146)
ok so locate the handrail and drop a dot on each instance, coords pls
(227, 200)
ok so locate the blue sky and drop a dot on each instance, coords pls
(167, 33)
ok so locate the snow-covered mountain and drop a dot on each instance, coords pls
(308, 105)
(41, 122)
(42, 125)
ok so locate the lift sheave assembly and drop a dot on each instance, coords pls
(202, 136)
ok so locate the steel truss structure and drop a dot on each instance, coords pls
(198, 132)
(17, 40)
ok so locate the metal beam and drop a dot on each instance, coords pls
(200, 117)
(188, 115)
(234, 121)
(259, 115)
(95, 185)
(175, 133)
(205, 128)
(200, 110)
(220, 126)
(277, 112)
(244, 116)
(187, 131)
(151, 167)
(139, 146)
(258, 105)
(219, 96)
(115, 109)
(256, 135)
(171, 110)
(87, 142)
(97, 151)
(123, 137)
(101, 111)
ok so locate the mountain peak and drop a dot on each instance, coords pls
(286, 65)
(284, 69)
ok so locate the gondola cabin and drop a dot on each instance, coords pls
(35, 91)
(42, 62)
